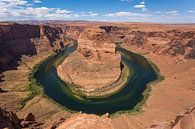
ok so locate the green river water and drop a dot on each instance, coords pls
(125, 99)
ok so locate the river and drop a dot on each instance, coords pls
(125, 99)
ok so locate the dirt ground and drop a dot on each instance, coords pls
(167, 98)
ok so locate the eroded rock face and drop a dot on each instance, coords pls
(172, 42)
(185, 120)
(14, 42)
(17, 40)
(95, 64)
(9, 120)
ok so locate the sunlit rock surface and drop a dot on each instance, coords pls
(95, 64)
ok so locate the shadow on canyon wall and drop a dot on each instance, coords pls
(17, 40)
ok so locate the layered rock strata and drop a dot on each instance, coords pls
(172, 42)
(17, 40)
(95, 64)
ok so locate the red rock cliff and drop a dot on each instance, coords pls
(17, 40)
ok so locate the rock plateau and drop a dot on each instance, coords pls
(95, 64)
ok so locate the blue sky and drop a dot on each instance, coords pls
(166, 11)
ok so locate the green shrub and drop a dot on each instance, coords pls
(34, 90)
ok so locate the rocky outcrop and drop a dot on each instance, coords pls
(91, 66)
(30, 122)
(9, 120)
(72, 31)
(185, 120)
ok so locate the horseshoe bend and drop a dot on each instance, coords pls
(82, 75)
(96, 64)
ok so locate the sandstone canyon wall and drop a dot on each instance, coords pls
(173, 42)
(17, 40)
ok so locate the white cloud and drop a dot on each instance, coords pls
(62, 11)
(142, 6)
(37, 1)
(22, 10)
(191, 11)
(172, 12)
(92, 13)
(139, 6)
(14, 2)
(124, 14)
(35, 11)
(142, 3)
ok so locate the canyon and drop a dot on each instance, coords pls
(170, 47)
